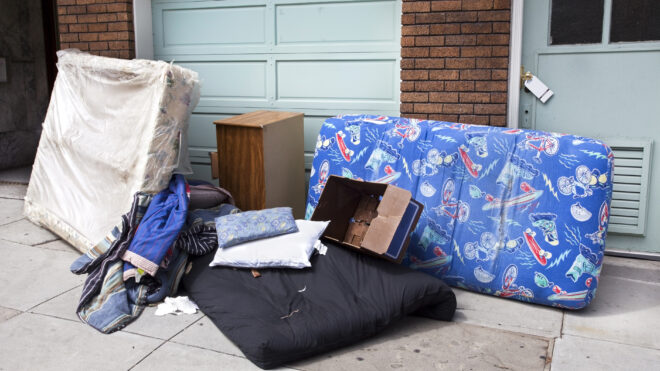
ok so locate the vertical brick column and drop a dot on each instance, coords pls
(101, 27)
(454, 60)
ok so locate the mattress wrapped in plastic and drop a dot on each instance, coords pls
(113, 127)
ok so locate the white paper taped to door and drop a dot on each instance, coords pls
(113, 127)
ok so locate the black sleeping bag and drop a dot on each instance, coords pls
(289, 314)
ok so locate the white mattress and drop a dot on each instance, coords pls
(113, 127)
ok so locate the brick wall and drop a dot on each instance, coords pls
(454, 60)
(101, 27)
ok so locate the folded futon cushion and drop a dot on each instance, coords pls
(290, 314)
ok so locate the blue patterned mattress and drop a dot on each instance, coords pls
(515, 213)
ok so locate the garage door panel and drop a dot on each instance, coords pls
(231, 80)
(336, 22)
(336, 80)
(221, 25)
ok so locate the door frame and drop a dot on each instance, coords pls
(515, 61)
(142, 26)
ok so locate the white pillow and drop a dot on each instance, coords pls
(291, 250)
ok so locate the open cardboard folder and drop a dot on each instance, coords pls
(113, 127)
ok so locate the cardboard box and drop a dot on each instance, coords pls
(375, 218)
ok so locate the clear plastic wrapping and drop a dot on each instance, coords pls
(113, 127)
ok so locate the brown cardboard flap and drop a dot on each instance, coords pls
(390, 211)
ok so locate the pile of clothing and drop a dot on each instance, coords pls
(142, 260)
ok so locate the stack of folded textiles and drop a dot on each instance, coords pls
(266, 238)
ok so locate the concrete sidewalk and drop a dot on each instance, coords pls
(39, 328)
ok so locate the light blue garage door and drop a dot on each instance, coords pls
(322, 58)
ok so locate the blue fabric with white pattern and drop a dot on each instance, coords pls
(514, 213)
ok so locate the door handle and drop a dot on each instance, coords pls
(534, 85)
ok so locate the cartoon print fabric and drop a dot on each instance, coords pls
(514, 213)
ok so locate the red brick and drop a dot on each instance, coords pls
(494, 15)
(127, 54)
(460, 40)
(99, 45)
(68, 37)
(458, 17)
(498, 97)
(459, 86)
(477, 4)
(119, 7)
(77, 28)
(414, 52)
(431, 18)
(61, 10)
(118, 45)
(490, 86)
(407, 19)
(445, 51)
(81, 46)
(76, 9)
(414, 75)
(407, 86)
(474, 120)
(443, 97)
(494, 39)
(421, 116)
(497, 120)
(443, 75)
(106, 36)
(428, 107)
(501, 27)
(484, 109)
(414, 30)
(110, 53)
(83, 2)
(406, 108)
(429, 85)
(416, 7)
(458, 108)
(474, 97)
(476, 51)
(475, 75)
(429, 40)
(500, 74)
(443, 6)
(63, 19)
(500, 51)
(98, 27)
(414, 97)
(408, 41)
(502, 4)
(445, 29)
(108, 17)
(448, 118)
(89, 36)
(407, 64)
(97, 8)
(119, 26)
(88, 18)
(430, 63)
(125, 17)
(462, 63)
(60, 3)
(486, 27)
(63, 28)
(65, 46)
(492, 62)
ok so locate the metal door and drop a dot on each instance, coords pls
(603, 88)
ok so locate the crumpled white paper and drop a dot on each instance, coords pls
(179, 305)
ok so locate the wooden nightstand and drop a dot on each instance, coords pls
(261, 160)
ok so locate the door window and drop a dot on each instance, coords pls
(583, 21)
